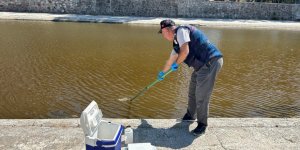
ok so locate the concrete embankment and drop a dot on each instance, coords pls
(228, 23)
(222, 133)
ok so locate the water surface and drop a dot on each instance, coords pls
(54, 70)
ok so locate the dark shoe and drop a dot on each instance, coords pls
(187, 117)
(199, 130)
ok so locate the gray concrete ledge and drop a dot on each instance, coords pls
(222, 133)
(229, 23)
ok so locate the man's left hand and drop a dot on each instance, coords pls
(174, 67)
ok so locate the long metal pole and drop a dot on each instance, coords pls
(149, 86)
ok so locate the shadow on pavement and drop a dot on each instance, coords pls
(175, 137)
(102, 19)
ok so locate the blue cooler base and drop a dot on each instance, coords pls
(117, 147)
(106, 145)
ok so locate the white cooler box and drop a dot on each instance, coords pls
(99, 134)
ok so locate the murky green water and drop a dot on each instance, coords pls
(54, 70)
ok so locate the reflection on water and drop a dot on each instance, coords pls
(54, 70)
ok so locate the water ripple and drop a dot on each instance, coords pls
(59, 73)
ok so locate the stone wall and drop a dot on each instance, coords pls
(158, 8)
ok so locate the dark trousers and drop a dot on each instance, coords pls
(200, 90)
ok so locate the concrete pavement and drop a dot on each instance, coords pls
(222, 133)
(224, 23)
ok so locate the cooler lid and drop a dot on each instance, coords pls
(90, 119)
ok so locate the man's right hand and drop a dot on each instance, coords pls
(160, 76)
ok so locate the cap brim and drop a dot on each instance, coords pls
(159, 31)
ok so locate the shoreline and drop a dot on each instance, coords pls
(164, 134)
(219, 23)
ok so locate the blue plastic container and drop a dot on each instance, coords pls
(99, 134)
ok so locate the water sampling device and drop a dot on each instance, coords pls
(146, 88)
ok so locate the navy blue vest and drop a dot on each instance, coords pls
(200, 49)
